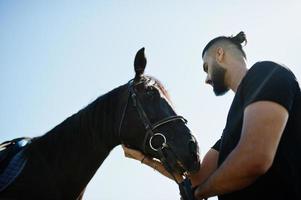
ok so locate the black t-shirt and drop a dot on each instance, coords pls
(268, 81)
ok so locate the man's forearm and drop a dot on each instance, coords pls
(234, 174)
(207, 167)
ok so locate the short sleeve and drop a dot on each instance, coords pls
(216, 146)
(269, 81)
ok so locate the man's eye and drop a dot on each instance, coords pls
(205, 67)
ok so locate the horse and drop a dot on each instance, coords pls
(60, 163)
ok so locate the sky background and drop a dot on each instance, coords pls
(58, 56)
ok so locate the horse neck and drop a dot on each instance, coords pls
(77, 147)
(99, 121)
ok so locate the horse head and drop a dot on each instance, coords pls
(150, 124)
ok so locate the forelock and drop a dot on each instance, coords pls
(153, 82)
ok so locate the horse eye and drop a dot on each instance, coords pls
(151, 96)
(151, 91)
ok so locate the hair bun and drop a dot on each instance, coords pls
(240, 38)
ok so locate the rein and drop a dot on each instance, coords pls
(185, 186)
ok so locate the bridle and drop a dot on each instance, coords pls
(148, 126)
(150, 129)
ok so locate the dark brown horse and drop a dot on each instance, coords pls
(60, 163)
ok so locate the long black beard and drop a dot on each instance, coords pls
(218, 80)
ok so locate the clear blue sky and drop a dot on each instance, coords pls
(58, 56)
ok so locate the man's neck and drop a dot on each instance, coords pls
(239, 70)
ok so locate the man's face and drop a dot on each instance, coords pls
(215, 75)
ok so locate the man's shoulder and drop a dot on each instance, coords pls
(269, 66)
(266, 66)
(263, 69)
(269, 81)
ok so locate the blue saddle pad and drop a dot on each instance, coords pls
(12, 160)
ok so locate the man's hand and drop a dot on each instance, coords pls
(132, 153)
(153, 163)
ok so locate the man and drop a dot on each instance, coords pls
(257, 154)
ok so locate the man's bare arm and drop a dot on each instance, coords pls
(263, 125)
(208, 166)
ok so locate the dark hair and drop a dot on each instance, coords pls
(236, 40)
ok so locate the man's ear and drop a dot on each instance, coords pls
(139, 63)
(219, 54)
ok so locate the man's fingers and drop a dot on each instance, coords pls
(197, 194)
(131, 153)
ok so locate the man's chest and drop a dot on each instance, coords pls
(232, 131)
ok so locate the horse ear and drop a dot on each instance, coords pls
(139, 63)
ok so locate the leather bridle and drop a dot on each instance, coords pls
(148, 126)
(185, 186)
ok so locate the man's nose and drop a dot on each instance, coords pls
(208, 80)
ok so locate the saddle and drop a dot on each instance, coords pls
(12, 160)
